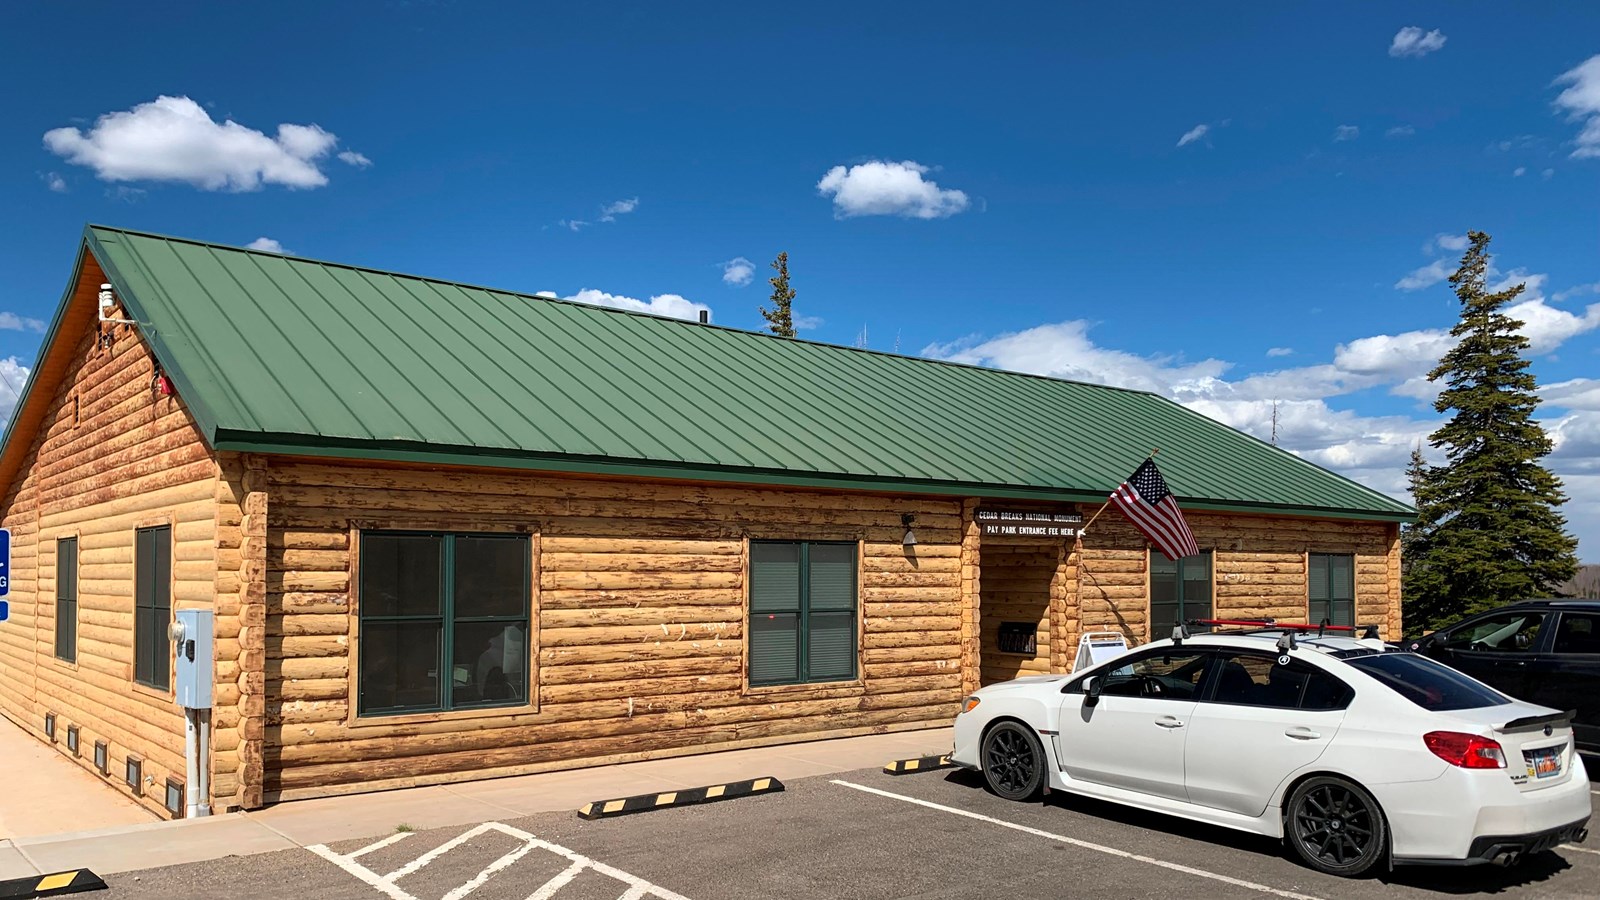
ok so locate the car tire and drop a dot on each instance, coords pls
(1013, 761)
(1335, 826)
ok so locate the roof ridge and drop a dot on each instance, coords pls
(613, 310)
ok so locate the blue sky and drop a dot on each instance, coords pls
(1008, 184)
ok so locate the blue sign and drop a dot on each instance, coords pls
(5, 564)
(5, 610)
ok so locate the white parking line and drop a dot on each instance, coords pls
(1098, 848)
(637, 888)
(1580, 849)
(391, 839)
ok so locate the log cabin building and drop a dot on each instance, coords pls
(451, 533)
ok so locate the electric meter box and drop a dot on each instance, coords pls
(193, 633)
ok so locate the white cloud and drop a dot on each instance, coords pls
(1346, 133)
(1519, 171)
(1452, 242)
(1547, 173)
(1413, 41)
(10, 321)
(610, 211)
(1577, 290)
(1427, 276)
(807, 323)
(174, 139)
(1064, 350)
(13, 376)
(1579, 393)
(359, 160)
(266, 245)
(1401, 131)
(1581, 101)
(1280, 351)
(1194, 134)
(54, 182)
(883, 188)
(738, 271)
(671, 305)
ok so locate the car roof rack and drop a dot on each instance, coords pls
(1255, 626)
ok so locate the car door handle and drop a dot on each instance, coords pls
(1169, 722)
(1301, 733)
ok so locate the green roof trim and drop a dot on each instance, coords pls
(281, 354)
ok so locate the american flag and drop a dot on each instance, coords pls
(1152, 509)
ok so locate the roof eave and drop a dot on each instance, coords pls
(356, 450)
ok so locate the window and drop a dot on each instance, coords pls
(1248, 679)
(435, 603)
(1179, 591)
(1169, 675)
(1578, 633)
(1430, 685)
(152, 602)
(1505, 633)
(67, 599)
(802, 612)
(1331, 588)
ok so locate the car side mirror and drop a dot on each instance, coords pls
(1091, 690)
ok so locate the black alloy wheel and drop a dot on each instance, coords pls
(1336, 827)
(1013, 761)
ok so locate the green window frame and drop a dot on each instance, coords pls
(1331, 588)
(67, 599)
(435, 602)
(152, 607)
(804, 597)
(1179, 590)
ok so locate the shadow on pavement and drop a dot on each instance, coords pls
(1438, 879)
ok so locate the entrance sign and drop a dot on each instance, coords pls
(1027, 523)
(1096, 647)
(5, 562)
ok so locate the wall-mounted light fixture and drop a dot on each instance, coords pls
(910, 539)
(175, 797)
(135, 775)
(50, 726)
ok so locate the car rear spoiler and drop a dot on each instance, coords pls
(1531, 723)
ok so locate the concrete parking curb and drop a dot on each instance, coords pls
(920, 764)
(52, 885)
(715, 793)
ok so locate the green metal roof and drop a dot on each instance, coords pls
(279, 354)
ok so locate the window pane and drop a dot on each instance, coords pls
(1160, 565)
(152, 606)
(1317, 579)
(1508, 633)
(491, 576)
(1426, 683)
(774, 648)
(833, 577)
(400, 575)
(1578, 634)
(1342, 577)
(1197, 587)
(1323, 691)
(1342, 612)
(774, 576)
(143, 656)
(67, 599)
(831, 653)
(1316, 611)
(490, 660)
(1169, 676)
(399, 666)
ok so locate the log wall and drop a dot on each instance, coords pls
(639, 609)
(110, 456)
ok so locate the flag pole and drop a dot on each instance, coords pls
(1085, 528)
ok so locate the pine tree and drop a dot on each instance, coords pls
(1488, 530)
(780, 318)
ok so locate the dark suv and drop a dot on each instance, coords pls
(1542, 651)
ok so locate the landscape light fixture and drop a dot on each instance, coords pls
(100, 761)
(135, 775)
(910, 540)
(50, 726)
(175, 797)
(72, 739)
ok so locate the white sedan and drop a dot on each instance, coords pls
(1353, 754)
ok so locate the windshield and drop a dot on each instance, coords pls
(1428, 684)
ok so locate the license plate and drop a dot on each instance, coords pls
(1544, 763)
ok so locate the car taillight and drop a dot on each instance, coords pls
(1469, 751)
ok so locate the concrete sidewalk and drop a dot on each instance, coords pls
(285, 826)
(43, 792)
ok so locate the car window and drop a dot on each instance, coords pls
(1430, 685)
(1172, 675)
(1516, 632)
(1251, 679)
(1578, 633)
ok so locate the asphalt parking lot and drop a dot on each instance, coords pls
(863, 835)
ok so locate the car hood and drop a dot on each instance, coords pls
(1016, 684)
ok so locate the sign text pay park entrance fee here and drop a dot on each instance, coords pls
(1027, 523)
